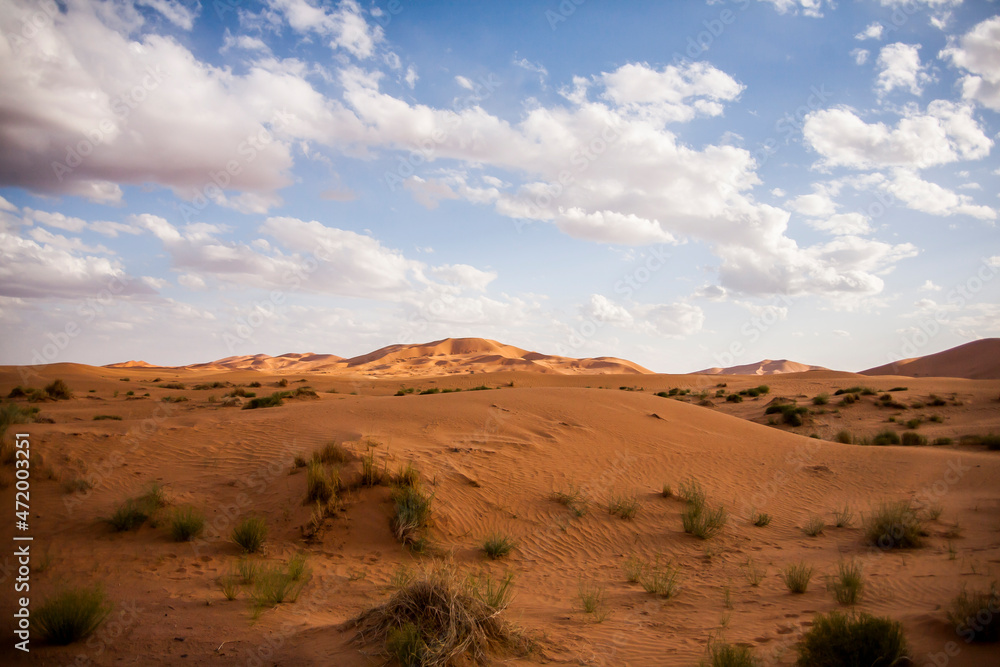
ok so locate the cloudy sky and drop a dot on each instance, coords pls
(683, 184)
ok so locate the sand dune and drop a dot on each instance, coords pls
(448, 356)
(978, 360)
(492, 459)
(764, 367)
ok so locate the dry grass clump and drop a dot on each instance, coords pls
(411, 514)
(894, 525)
(974, 615)
(437, 620)
(573, 499)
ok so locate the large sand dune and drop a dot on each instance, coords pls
(492, 459)
(764, 367)
(979, 360)
(448, 356)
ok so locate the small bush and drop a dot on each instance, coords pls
(796, 577)
(297, 567)
(274, 586)
(333, 452)
(911, 439)
(848, 399)
(844, 517)
(250, 534)
(128, 516)
(174, 399)
(58, 390)
(283, 382)
(899, 389)
(667, 492)
(406, 645)
(497, 545)
(623, 506)
(172, 385)
(407, 476)
(754, 573)
(321, 485)
(633, 568)
(721, 654)
(248, 569)
(814, 527)
(734, 398)
(839, 640)
(759, 519)
(821, 399)
(573, 499)
(844, 437)
(592, 599)
(893, 525)
(884, 438)
(411, 514)
(370, 473)
(968, 611)
(848, 585)
(662, 580)
(941, 442)
(98, 418)
(70, 615)
(703, 522)
(692, 492)
(937, 401)
(299, 461)
(76, 485)
(272, 401)
(186, 524)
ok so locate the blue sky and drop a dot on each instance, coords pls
(683, 184)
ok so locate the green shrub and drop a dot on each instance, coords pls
(886, 437)
(321, 485)
(623, 506)
(573, 499)
(297, 567)
(893, 525)
(703, 522)
(411, 514)
(914, 423)
(753, 572)
(98, 418)
(174, 399)
(432, 390)
(667, 492)
(759, 519)
(128, 516)
(172, 385)
(844, 437)
(734, 398)
(274, 586)
(70, 615)
(407, 476)
(497, 545)
(633, 568)
(814, 526)
(821, 399)
(848, 399)
(844, 517)
(250, 534)
(661, 580)
(58, 390)
(333, 452)
(721, 654)
(856, 640)
(186, 524)
(941, 442)
(796, 577)
(272, 401)
(11, 414)
(911, 439)
(406, 645)
(848, 585)
(592, 599)
(974, 615)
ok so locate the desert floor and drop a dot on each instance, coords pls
(492, 460)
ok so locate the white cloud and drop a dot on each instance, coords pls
(946, 132)
(602, 309)
(811, 8)
(929, 286)
(174, 11)
(190, 281)
(345, 26)
(860, 56)
(671, 320)
(411, 76)
(873, 31)
(57, 220)
(978, 52)
(841, 333)
(817, 205)
(843, 224)
(921, 195)
(900, 68)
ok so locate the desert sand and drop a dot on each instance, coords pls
(492, 459)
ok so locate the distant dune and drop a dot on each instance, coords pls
(441, 357)
(765, 367)
(978, 360)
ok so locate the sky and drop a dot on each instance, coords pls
(681, 184)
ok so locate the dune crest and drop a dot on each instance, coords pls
(763, 367)
(440, 357)
(978, 360)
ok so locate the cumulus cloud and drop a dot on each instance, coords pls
(860, 56)
(873, 31)
(946, 132)
(345, 26)
(978, 53)
(927, 197)
(899, 67)
(812, 8)
(670, 320)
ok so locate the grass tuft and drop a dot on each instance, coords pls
(623, 506)
(573, 499)
(412, 513)
(250, 534)
(633, 568)
(662, 580)
(186, 524)
(848, 585)
(70, 615)
(753, 572)
(497, 545)
(796, 577)
(814, 527)
(321, 484)
(974, 615)
(721, 654)
(759, 519)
